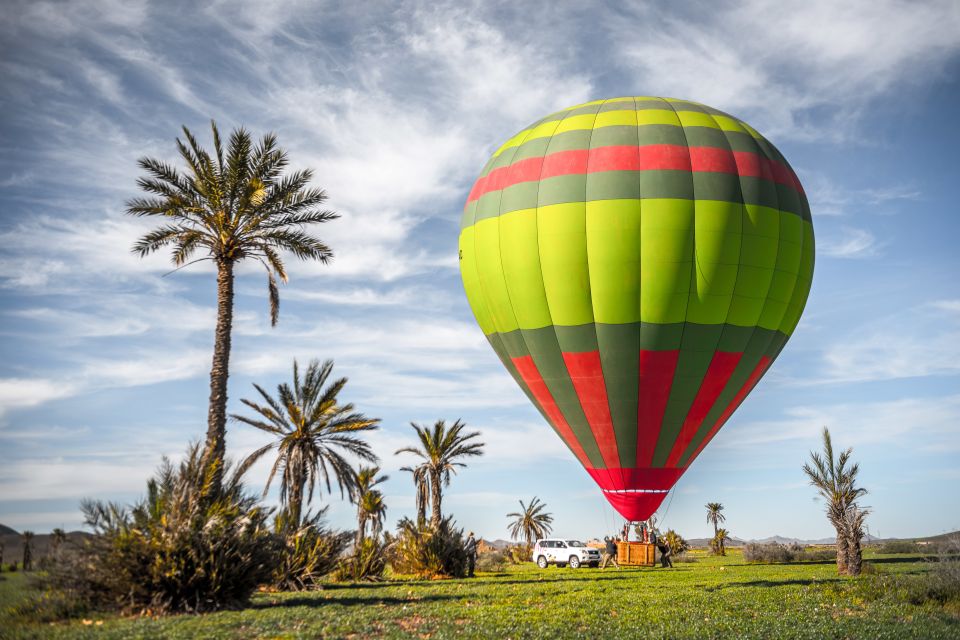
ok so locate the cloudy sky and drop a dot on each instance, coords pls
(396, 106)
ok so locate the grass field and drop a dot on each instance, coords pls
(711, 598)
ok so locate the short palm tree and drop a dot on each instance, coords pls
(714, 515)
(440, 449)
(57, 537)
(370, 505)
(233, 205)
(836, 481)
(719, 543)
(531, 522)
(27, 538)
(312, 433)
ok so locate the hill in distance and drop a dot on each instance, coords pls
(7, 531)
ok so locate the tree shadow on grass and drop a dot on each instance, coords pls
(351, 601)
(773, 583)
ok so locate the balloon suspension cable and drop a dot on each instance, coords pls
(663, 518)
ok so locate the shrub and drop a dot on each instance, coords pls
(311, 551)
(492, 561)
(774, 552)
(366, 562)
(767, 553)
(517, 554)
(422, 551)
(899, 546)
(183, 547)
(676, 542)
(684, 557)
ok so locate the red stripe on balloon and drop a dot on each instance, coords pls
(586, 373)
(747, 387)
(718, 374)
(656, 378)
(531, 376)
(635, 493)
(653, 157)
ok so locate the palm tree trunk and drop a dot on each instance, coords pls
(295, 502)
(214, 447)
(361, 527)
(842, 551)
(436, 495)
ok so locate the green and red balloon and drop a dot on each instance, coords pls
(637, 264)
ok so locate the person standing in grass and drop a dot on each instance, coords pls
(665, 553)
(471, 548)
(609, 553)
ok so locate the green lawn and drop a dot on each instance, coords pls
(712, 598)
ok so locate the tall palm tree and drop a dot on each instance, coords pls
(531, 522)
(440, 449)
(313, 432)
(714, 515)
(370, 505)
(232, 206)
(836, 481)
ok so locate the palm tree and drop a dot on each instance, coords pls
(719, 543)
(57, 537)
(313, 432)
(714, 515)
(370, 505)
(27, 537)
(837, 484)
(230, 207)
(530, 522)
(440, 449)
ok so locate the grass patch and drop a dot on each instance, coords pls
(719, 597)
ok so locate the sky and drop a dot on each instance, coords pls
(104, 358)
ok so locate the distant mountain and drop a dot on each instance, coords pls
(7, 531)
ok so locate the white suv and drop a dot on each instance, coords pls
(562, 552)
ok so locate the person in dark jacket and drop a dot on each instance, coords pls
(665, 554)
(471, 548)
(609, 553)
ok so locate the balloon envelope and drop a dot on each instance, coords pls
(637, 264)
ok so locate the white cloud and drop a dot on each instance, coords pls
(853, 243)
(18, 393)
(828, 198)
(911, 343)
(804, 70)
(906, 421)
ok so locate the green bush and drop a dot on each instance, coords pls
(492, 561)
(424, 552)
(676, 542)
(518, 554)
(367, 562)
(899, 546)
(184, 547)
(772, 553)
(311, 551)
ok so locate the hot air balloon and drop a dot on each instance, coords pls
(637, 264)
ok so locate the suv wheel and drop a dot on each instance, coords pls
(574, 562)
(542, 562)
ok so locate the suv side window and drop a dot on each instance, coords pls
(561, 545)
(548, 544)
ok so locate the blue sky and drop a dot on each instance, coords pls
(103, 362)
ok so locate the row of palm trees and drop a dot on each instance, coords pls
(313, 435)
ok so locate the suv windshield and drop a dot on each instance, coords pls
(575, 543)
